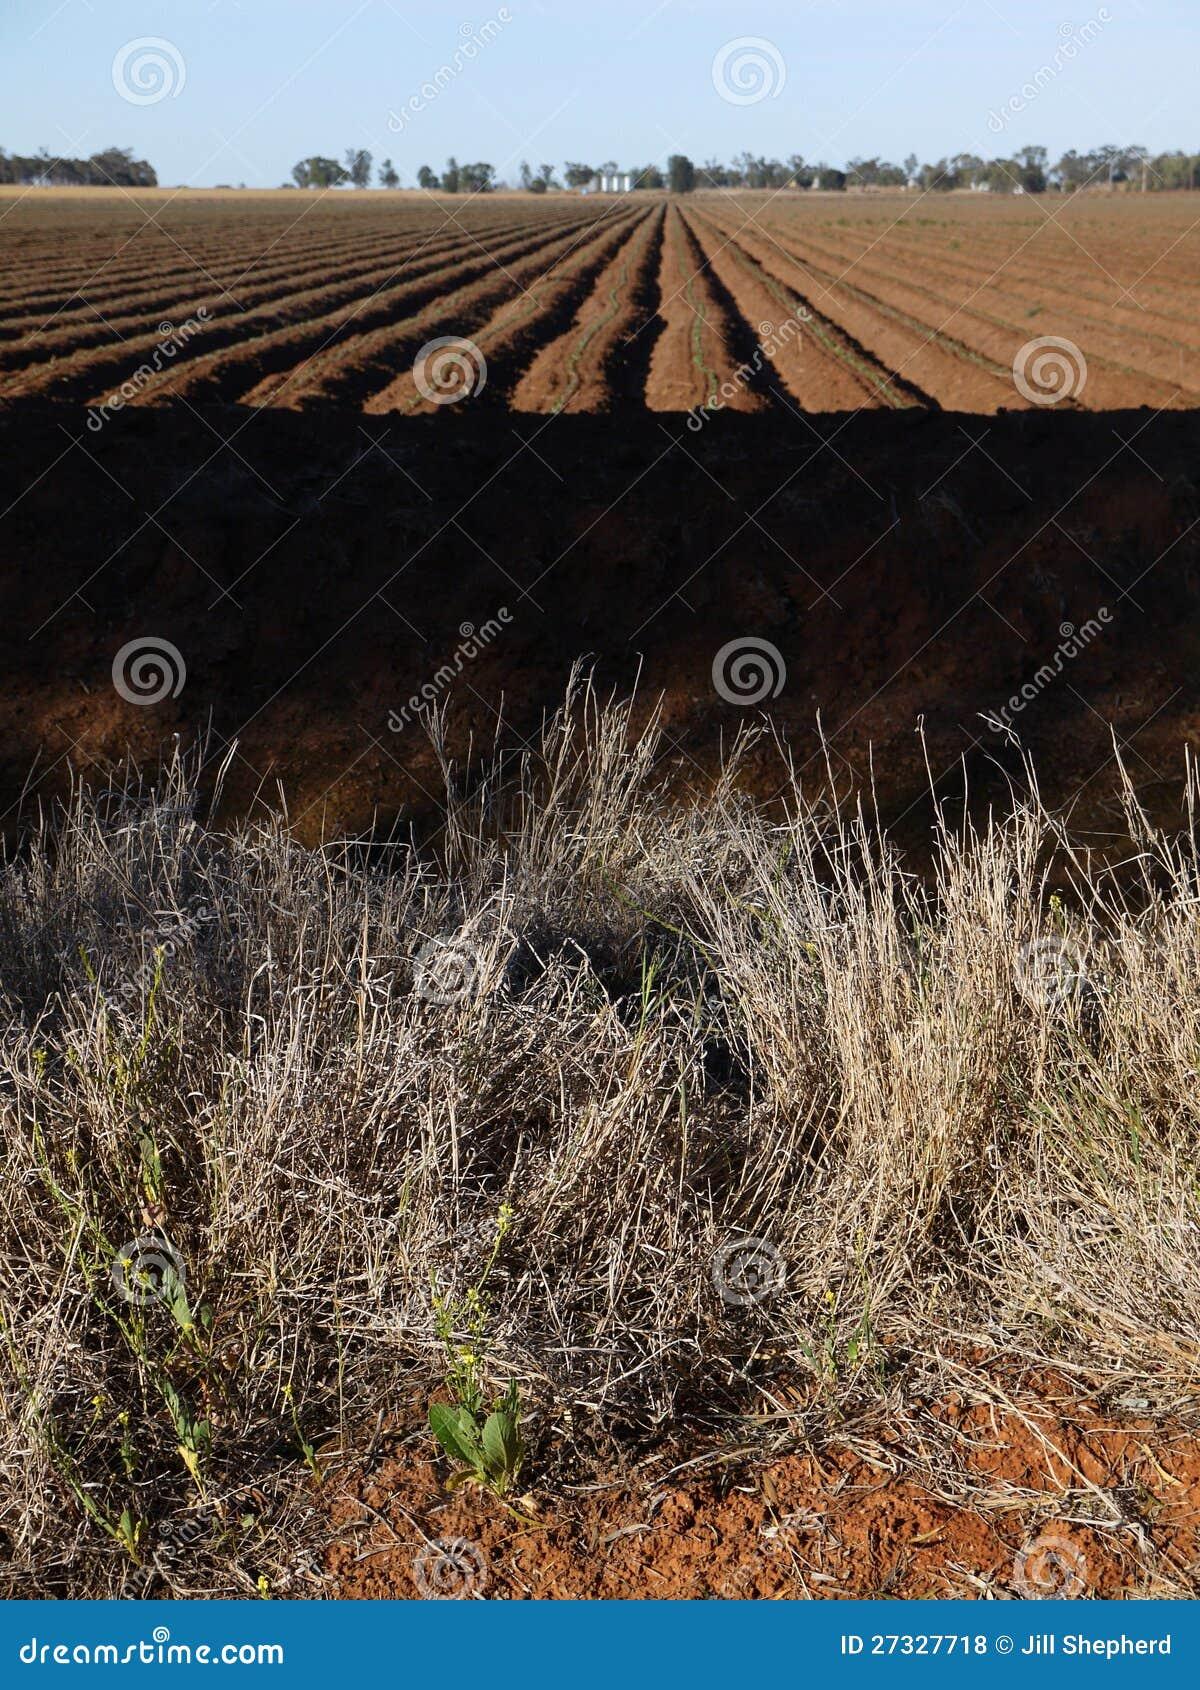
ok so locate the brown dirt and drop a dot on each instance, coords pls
(937, 291)
(314, 576)
(553, 290)
(819, 368)
(867, 1511)
(593, 364)
(703, 339)
(235, 287)
(924, 296)
(356, 359)
(274, 366)
(943, 370)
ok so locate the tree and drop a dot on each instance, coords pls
(476, 178)
(649, 176)
(114, 167)
(912, 168)
(941, 176)
(358, 166)
(1032, 171)
(830, 179)
(546, 177)
(426, 178)
(714, 174)
(577, 175)
(450, 181)
(388, 176)
(681, 174)
(318, 172)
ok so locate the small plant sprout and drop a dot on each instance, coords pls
(488, 1449)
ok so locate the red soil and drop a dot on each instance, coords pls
(698, 352)
(910, 299)
(554, 286)
(867, 1512)
(588, 365)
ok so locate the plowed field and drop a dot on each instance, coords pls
(749, 302)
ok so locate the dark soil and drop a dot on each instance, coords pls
(914, 569)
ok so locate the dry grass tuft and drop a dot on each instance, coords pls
(952, 1113)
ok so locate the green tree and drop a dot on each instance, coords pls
(318, 172)
(681, 174)
(577, 175)
(476, 178)
(426, 177)
(388, 176)
(714, 174)
(358, 166)
(450, 176)
(1032, 162)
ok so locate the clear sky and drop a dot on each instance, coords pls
(253, 85)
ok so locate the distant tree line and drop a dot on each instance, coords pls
(1027, 169)
(115, 167)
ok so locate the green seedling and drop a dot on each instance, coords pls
(487, 1448)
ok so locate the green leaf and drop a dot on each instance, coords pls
(502, 1444)
(456, 1431)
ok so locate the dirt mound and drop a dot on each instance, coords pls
(318, 573)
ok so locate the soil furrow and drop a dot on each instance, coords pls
(513, 335)
(349, 373)
(593, 365)
(874, 379)
(705, 341)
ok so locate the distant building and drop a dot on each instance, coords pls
(611, 182)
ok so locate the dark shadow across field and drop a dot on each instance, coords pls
(317, 570)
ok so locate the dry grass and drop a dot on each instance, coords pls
(662, 1030)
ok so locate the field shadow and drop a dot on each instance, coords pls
(1028, 576)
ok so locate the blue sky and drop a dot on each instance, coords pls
(257, 84)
